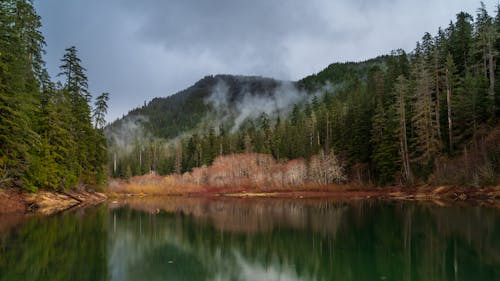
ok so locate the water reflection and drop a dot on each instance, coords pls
(303, 240)
(70, 246)
(257, 239)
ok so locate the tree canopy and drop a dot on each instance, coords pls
(47, 139)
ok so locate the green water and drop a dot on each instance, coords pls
(261, 239)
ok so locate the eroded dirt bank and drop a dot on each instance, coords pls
(14, 202)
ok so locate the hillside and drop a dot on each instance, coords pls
(210, 97)
(341, 73)
(228, 99)
(428, 116)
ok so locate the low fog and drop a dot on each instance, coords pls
(278, 101)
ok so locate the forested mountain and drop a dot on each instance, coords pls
(50, 137)
(426, 116)
(223, 96)
(186, 110)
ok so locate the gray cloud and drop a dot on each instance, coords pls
(137, 50)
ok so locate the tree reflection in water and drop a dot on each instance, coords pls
(256, 239)
(274, 239)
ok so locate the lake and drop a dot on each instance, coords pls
(255, 239)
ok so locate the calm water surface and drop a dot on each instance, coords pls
(255, 239)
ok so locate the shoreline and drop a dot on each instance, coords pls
(17, 203)
(442, 195)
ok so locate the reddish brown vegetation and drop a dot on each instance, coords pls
(252, 175)
(263, 172)
(242, 172)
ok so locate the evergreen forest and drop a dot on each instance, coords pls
(51, 135)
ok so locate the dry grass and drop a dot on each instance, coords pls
(152, 185)
(180, 185)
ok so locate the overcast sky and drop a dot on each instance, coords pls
(140, 49)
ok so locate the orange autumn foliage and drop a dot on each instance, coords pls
(249, 171)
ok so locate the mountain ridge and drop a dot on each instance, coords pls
(167, 117)
(170, 116)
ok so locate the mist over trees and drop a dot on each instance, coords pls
(428, 116)
(47, 136)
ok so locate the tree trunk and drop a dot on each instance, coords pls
(438, 107)
(114, 163)
(178, 158)
(491, 69)
(140, 159)
(448, 101)
(327, 139)
(403, 140)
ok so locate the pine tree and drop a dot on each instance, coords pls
(20, 59)
(46, 134)
(461, 41)
(59, 144)
(427, 143)
(496, 103)
(76, 78)
(384, 143)
(265, 132)
(83, 133)
(100, 110)
(486, 36)
(100, 151)
(401, 93)
(470, 105)
(450, 85)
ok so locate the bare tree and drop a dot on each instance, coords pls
(325, 168)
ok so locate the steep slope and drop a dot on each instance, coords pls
(210, 97)
(341, 73)
(229, 100)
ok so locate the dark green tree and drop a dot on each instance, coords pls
(100, 110)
